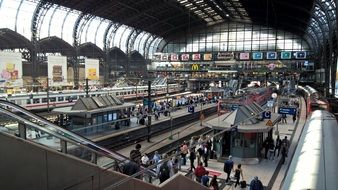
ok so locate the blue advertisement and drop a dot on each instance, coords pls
(300, 55)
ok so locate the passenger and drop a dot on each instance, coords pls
(164, 172)
(271, 151)
(156, 157)
(238, 174)
(168, 163)
(286, 143)
(284, 154)
(199, 172)
(145, 160)
(176, 162)
(136, 154)
(132, 167)
(192, 157)
(214, 183)
(228, 167)
(256, 184)
(266, 147)
(278, 146)
(184, 152)
(205, 179)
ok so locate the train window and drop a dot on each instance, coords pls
(81, 96)
(28, 101)
(67, 98)
(44, 100)
(52, 99)
(98, 95)
(117, 94)
(36, 101)
(61, 99)
(74, 97)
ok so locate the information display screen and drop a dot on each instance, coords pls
(271, 55)
(285, 55)
(257, 55)
(300, 55)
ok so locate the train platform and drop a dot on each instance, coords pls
(270, 172)
(133, 124)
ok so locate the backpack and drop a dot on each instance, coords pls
(243, 184)
(164, 172)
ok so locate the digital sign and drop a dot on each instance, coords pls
(285, 55)
(185, 57)
(174, 57)
(300, 55)
(196, 57)
(244, 56)
(257, 55)
(207, 57)
(271, 55)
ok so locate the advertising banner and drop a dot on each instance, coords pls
(174, 57)
(196, 57)
(11, 69)
(185, 57)
(244, 56)
(225, 55)
(165, 57)
(92, 70)
(57, 70)
(157, 56)
(207, 57)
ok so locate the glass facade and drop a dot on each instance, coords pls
(238, 37)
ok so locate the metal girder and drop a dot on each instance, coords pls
(139, 43)
(204, 11)
(78, 27)
(17, 14)
(120, 40)
(236, 9)
(148, 48)
(219, 12)
(38, 15)
(145, 50)
(63, 23)
(131, 40)
(89, 23)
(97, 29)
(112, 34)
(220, 4)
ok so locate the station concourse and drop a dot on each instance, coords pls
(168, 94)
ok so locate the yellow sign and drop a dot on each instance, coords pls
(92, 74)
(195, 67)
(269, 123)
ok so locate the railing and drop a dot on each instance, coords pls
(61, 139)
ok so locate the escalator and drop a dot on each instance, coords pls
(39, 123)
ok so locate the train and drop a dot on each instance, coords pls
(313, 99)
(314, 163)
(39, 100)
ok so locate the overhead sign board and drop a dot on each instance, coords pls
(285, 55)
(257, 55)
(270, 103)
(267, 115)
(289, 111)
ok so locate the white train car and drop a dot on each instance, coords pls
(35, 101)
(314, 164)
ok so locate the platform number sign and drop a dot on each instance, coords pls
(267, 115)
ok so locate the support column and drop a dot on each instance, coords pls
(22, 130)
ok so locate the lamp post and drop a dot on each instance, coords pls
(47, 89)
(201, 114)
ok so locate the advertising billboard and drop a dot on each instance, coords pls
(196, 57)
(244, 56)
(92, 70)
(207, 57)
(225, 55)
(174, 57)
(185, 57)
(11, 69)
(57, 70)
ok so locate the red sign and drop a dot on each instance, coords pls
(185, 57)
(196, 57)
